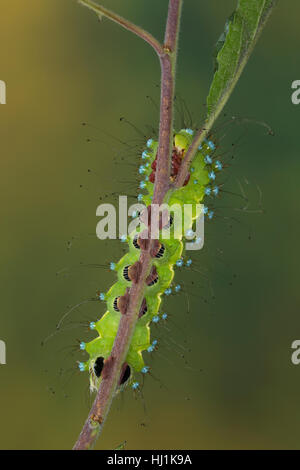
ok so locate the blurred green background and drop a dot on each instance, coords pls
(235, 387)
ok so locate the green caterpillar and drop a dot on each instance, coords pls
(200, 183)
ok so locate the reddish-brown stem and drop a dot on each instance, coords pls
(168, 70)
(162, 179)
(102, 11)
(109, 383)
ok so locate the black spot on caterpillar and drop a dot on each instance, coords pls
(135, 242)
(143, 309)
(125, 273)
(116, 304)
(125, 375)
(153, 277)
(98, 366)
(161, 251)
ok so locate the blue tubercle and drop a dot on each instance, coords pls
(207, 191)
(208, 160)
(216, 190)
(188, 262)
(81, 366)
(168, 291)
(212, 175)
(211, 145)
(92, 325)
(135, 385)
(149, 143)
(112, 266)
(189, 233)
(178, 288)
(142, 169)
(145, 155)
(82, 346)
(164, 316)
(155, 319)
(152, 346)
(179, 263)
(140, 197)
(218, 165)
(145, 370)
(142, 185)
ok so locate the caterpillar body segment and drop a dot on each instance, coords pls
(200, 182)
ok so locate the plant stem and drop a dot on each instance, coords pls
(168, 72)
(101, 11)
(101, 406)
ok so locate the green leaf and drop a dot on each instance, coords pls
(234, 47)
